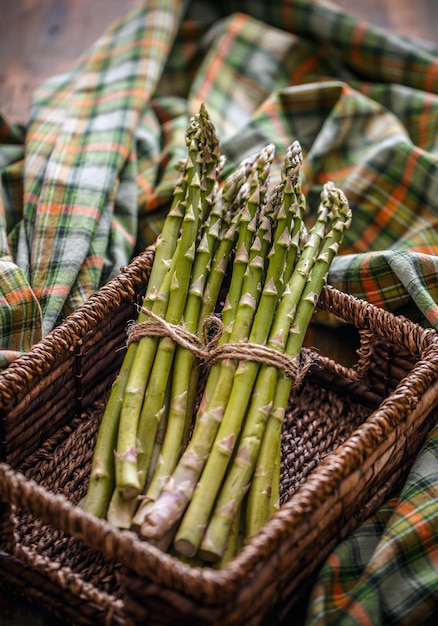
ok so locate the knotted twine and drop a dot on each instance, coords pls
(209, 352)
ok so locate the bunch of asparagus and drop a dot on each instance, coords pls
(201, 485)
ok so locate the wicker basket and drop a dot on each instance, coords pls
(349, 438)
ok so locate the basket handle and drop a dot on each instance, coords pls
(364, 315)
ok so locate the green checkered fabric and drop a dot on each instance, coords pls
(86, 183)
(386, 572)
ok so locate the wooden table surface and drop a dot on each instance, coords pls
(39, 38)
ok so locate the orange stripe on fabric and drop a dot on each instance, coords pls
(270, 108)
(422, 527)
(144, 184)
(335, 173)
(108, 97)
(61, 208)
(45, 137)
(298, 77)
(341, 599)
(106, 54)
(382, 218)
(358, 35)
(423, 120)
(387, 212)
(356, 611)
(337, 588)
(108, 146)
(11, 355)
(152, 203)
(30, 198)
(124, 232)
(221, 51)
(400, 192)
(432, 315)
(96, 147)
(15, 297)
(287, 13)
(52, 290)
(88, 102)
(431, 77)
(423, 249)
(92, 261)
(370, 285)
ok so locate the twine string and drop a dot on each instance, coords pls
(209, 352)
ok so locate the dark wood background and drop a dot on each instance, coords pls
(39, 38)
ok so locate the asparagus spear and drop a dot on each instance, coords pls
(204, 295)
(259, 510)
(196, 517)
(127, 479)
(166, 511)
(272, 388)
(102, 480)
(145, 390)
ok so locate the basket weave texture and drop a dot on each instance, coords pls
(349, 437)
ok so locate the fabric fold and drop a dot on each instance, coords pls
(386, 571)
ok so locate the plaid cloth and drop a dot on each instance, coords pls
(386, 572)
(86, 183)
